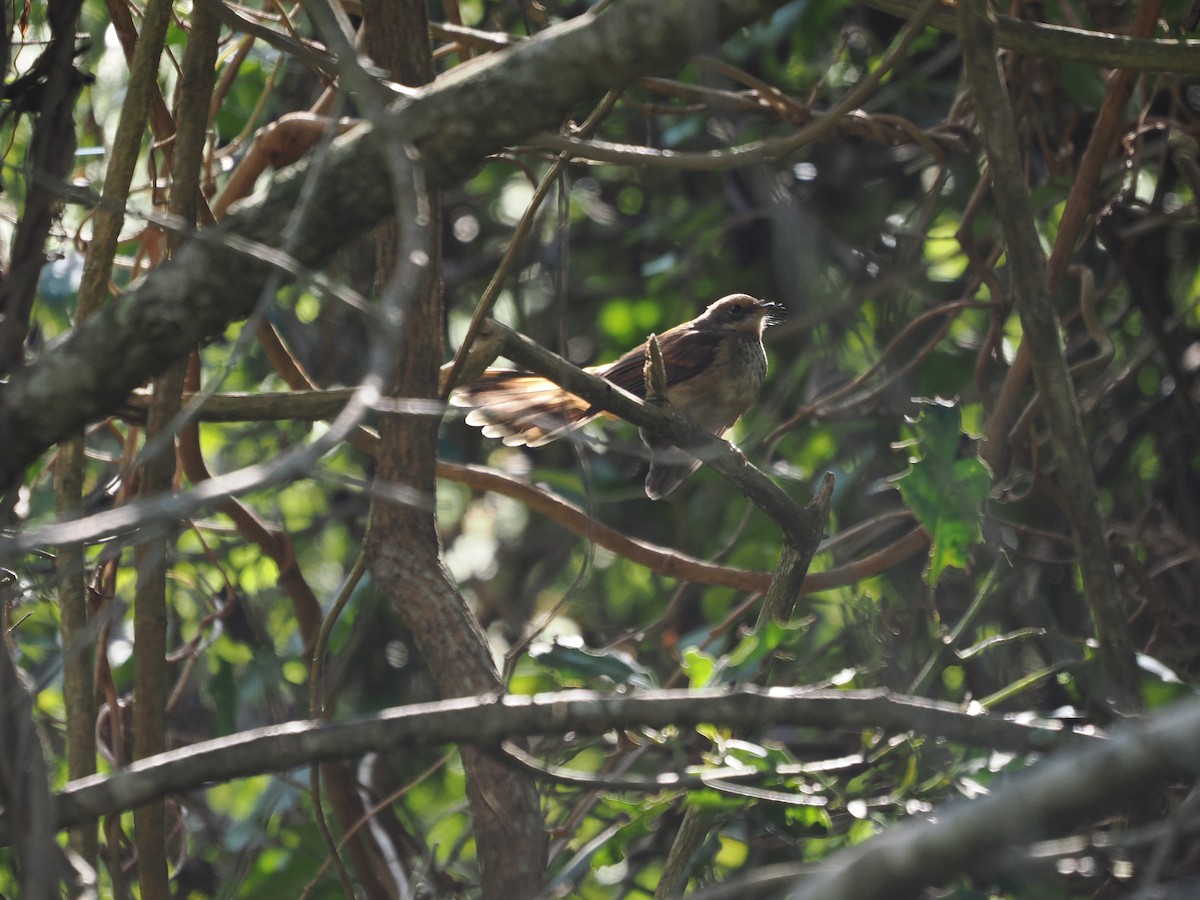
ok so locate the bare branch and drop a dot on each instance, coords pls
(1035, 303)
(454, 124)
(315, 405)
(488, 720)
(1065, 792)
(681, 430)
(759, 151)
(1110, 51)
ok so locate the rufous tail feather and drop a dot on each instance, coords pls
(521, 409)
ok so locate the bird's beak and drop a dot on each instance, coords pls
(774, 312)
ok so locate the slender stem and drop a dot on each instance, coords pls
(1040, 328)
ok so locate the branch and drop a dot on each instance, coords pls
(50, 152)
(759, 151)
(454, 124)
(1057, 42)
(802, 527)
(796, 522)
(660, 560)
(1063, 793)
(486, 721)
(314, 405)
(25, 783)
(312, 55)
(1078, 211)
(1039, 326)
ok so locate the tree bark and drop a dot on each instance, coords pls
(403, 543)
(455, 123)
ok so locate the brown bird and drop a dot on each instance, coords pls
(715, 366)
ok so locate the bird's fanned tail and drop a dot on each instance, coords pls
(521, 409)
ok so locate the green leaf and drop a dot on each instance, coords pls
(1084, 83)
(1020, 685)
(708, 799)
(745, 660)
(943, 489)
(579, 665)
(698, 666)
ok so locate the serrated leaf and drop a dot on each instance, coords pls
(943, 490)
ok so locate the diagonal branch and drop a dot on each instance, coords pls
(1066, 792)
(1093, 48)
(1039, 325)
(312, 405)
(802, 527)
(454, 124)
(796, 522)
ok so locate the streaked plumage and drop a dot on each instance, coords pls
(715, 366)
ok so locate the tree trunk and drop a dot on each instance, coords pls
(403, 544)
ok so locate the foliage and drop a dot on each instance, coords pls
(884, 245)
(943, 492)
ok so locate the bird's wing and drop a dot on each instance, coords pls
(686, 352)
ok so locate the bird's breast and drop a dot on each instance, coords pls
(717, 397)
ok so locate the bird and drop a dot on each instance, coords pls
(715, 366)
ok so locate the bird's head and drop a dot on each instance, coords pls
(741, 312)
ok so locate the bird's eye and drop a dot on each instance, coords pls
(736, 310)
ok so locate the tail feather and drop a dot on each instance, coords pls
(669, 467)
(521, 409)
